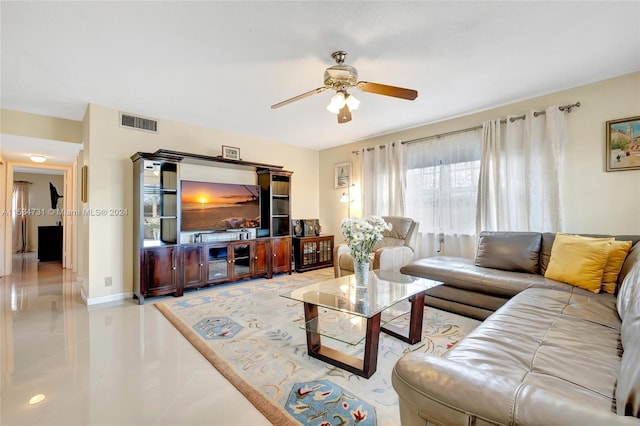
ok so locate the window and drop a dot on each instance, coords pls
(443, 197)
(441, 189)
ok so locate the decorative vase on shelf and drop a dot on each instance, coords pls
(361, 271)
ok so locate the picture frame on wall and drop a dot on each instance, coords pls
(623, 144)
(342, 175)
(83, 184)
(230, 152)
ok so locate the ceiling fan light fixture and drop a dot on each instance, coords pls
(341, 78)
(352, 102)
(337, 102)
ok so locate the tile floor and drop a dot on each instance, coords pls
(109, 364)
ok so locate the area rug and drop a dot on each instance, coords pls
(254, 337)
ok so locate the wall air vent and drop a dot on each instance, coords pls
(140, 123)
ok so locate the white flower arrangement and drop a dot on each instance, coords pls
(362, 234)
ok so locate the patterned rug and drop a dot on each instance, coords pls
(254, 338)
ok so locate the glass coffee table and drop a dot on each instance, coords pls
(384, 292)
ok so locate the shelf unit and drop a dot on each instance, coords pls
(156, 219)
(158, 182)
(275, 186)
(165, 266)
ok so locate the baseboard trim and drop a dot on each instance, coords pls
(105, 299)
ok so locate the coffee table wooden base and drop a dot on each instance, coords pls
(414, 335)
(366, 366)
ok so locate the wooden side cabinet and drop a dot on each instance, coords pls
(261, 257)
(280, 255)
(312, 252)
(193, 266)
(160, 273)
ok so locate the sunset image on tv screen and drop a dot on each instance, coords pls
(216, 206)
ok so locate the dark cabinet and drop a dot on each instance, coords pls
(165, 265)
(312, 252)
(280, 255)
(49, 243)
(193, 266)
(261, 258)
(160, 273)
(156, 223)
(234, 261)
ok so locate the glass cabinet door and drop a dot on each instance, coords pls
(241, 259)
(159, 202)
(310, 252)
(218, 263)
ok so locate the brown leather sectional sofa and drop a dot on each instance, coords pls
(550, 354)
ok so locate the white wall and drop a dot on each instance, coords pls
(594, 201)
(40, 201)
(109, 239)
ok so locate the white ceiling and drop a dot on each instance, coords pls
(222, 64)
(20, 148)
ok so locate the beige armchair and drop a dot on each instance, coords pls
(395, 250)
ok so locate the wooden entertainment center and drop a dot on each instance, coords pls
(164, 265)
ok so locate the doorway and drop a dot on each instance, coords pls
(48, 230)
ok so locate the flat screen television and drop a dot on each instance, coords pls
(208, 206)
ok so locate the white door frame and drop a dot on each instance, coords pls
(68, 219)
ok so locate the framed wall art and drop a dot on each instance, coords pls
(230, 152)
(342, 175)
(623, 144)
(83, 184)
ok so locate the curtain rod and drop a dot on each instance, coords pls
(566, 108)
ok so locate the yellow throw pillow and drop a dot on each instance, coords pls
(617, 255)
(579, 261)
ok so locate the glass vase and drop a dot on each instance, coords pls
(361, 271)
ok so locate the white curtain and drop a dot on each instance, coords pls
(383, 183)
(519, 187)
(20, 218)
(441, 192)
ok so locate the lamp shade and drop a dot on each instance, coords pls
(337, 102)
(352, 102)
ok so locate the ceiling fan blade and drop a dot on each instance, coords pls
(383, 89)
(344, 116)
(297, 98)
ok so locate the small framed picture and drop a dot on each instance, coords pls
(230, 152)
(623, 144)
(342, 174)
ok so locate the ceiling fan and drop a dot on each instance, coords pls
(341, 77)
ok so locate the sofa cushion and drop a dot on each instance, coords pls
(509, 251)
(545, 357)
(632, 258)
(628, 301)
(549, 237)
(628, 388)
(462, 273)
(579, 261)
(628, 306)
(400, 227)
(397, 236)
(617, 255)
